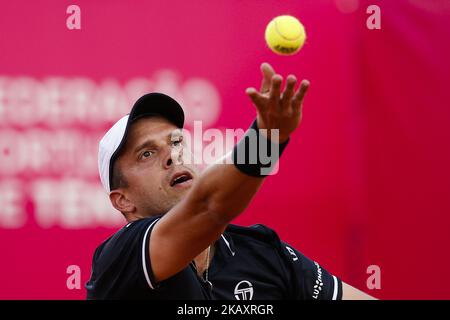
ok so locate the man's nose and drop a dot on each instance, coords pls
(169, 162)
(174, 156)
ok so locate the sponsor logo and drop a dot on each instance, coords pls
(292, 253)
(319, 282)
(243, 290)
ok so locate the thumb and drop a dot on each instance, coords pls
(256, 97)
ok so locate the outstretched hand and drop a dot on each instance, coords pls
(276, 109)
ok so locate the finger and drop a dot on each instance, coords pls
(275, 89)
(266, 68)
(267, 72)
(288, 93)
(256, 98)
(300, 95)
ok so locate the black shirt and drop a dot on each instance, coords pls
(249, 263)
(121, 269)
(252, 263)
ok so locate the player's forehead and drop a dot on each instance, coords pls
(151, 128)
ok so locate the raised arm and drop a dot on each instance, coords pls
(222, 191)
(351, 293)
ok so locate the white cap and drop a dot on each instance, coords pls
(111, 144)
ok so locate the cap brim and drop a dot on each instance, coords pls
(150, 104)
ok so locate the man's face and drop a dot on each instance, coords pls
(152, 165)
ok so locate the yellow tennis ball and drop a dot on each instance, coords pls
(285, 35)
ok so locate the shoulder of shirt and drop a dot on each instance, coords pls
(258, 232)
(131, 227)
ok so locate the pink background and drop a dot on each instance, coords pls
(365, 180)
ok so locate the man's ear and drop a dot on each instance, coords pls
(121, 202)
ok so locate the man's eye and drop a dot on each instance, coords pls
(177, 143)
(147, 154)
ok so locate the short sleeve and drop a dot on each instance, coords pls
(144, 254)
(310, 281)
(121, 265)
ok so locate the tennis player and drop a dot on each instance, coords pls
(178, 242)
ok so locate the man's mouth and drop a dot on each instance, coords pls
(183, 178)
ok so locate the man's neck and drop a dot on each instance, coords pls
(136, 216)
(201, 262)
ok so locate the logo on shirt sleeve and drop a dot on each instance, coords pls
(319, 282)
(243, 290)
(292, 253)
